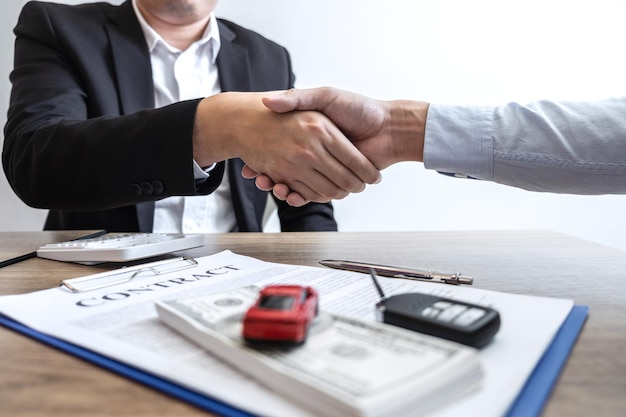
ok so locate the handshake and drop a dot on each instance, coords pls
(313, 145)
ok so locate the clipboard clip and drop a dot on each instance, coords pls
(118, 276)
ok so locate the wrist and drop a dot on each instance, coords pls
(218, 127)
(407, 126)
(207, 133)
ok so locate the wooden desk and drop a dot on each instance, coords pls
(36, 380)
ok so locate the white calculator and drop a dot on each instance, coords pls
(119, 247)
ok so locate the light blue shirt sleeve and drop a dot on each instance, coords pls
(560, 147)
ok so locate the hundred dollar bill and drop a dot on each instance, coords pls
(346, 367)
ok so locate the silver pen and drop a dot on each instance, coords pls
(400, 272)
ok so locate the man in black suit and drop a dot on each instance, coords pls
(84, 139)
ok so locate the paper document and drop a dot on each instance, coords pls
(121, 322)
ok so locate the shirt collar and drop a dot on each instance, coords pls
(211, 34)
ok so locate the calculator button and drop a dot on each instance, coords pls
(469, 317)
(451, 312)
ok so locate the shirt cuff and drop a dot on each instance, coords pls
(459, 141)
(201, 174)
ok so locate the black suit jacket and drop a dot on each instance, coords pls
(83, 138)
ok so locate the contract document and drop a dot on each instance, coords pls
(121, 322)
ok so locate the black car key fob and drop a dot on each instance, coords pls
(469, 324)
(466, 323)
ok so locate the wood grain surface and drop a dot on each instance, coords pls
(39, 381)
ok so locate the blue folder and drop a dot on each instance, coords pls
(530, 401)
(538, 387)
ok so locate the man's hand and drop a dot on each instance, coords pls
(386, 132)
(304, 151)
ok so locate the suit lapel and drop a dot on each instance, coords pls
(131, 60)
(233, 63)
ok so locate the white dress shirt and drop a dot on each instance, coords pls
(560, 147)
(183, 75)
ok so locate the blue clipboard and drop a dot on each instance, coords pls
(530, 401)
(533, 397)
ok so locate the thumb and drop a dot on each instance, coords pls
(293, 99)
(281, 102)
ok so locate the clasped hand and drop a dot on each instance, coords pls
(384, 132)
(302, 151)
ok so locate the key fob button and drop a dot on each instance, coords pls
(442, 305)
(451, 312)
(430, 312)
(469, 317)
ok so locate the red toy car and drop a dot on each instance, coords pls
(282, 314)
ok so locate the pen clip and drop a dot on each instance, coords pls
(454, 279)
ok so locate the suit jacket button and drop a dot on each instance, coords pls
(146, 187)
(158, 187)
(135, 189)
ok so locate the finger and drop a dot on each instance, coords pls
(335, 176)
(263, 182)
(283, 193)
(326, 179)
(280, 191)
(352, 171)
(248, 173)
(349, 168)
(310, 183)
(296, 200)
(324, 190)
(339, 164)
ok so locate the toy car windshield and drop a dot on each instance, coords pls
(277, 302)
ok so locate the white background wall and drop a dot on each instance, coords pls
(445, 51)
